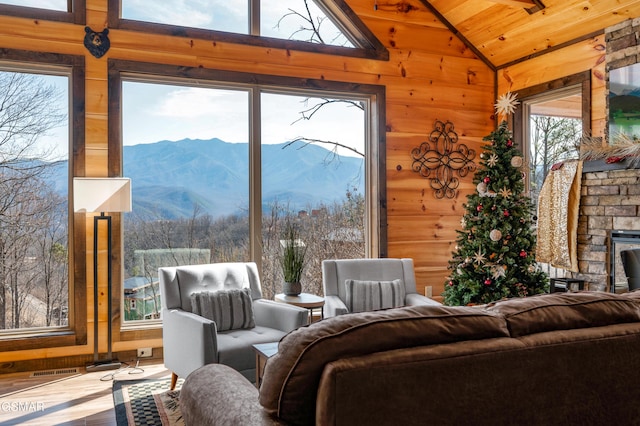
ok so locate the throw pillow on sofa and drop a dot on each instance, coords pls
(230, 309)
(362, 296)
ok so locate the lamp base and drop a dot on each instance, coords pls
(104, 365)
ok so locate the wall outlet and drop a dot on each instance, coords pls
(145, 352)
(428, 291)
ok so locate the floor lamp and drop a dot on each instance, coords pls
(92, 195)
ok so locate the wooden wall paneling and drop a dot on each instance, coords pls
(570, 60)
(427, 227)
(414, 119)
(408, 36)
(587, 55)
(420, 200)
(406, 11)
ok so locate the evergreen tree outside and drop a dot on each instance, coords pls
(494, 255)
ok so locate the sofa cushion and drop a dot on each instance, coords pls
(373, 295)
(229, 309)
(292, 376)
(565, 311)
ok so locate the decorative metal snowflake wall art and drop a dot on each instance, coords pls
(439, 160)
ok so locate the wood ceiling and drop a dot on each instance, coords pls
(507, 31)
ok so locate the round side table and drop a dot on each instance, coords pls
(303, 300)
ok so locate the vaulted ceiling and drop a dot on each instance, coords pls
(505, 31)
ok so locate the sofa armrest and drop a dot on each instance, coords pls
(414, 299)
(334, 306)
(189, 341)
(219, 395)
(279, 315)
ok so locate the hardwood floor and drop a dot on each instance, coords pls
(71, 399)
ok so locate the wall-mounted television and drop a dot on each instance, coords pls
(624, 102)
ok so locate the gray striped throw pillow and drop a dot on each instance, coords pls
(229, 309)
(373, 295)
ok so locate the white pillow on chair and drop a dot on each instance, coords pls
(230, 309)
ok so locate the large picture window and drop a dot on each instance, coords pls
(34, 219)
(218, 167)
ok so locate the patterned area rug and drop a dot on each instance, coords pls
(147, 402)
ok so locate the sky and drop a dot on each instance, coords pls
(156, 112)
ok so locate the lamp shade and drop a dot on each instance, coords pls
(101, 194)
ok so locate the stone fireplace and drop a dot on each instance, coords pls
(609, 207)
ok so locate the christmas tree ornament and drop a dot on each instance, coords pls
(495, 235)
(516, 161)
(506, 213)
(493, 160)
(487, 281)
(479, 208)
(479, 257)
(486, 180)
(505, 192)
(481, 187)
(506, 104)
(509, 143)
(523, 253)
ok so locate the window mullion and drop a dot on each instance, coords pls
(254, 17)
(255, 178)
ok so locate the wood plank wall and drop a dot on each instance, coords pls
(430, 75)
(585, 55)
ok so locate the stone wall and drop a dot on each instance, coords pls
(623, 45)
(610, 200)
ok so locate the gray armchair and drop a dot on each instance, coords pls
(191, 341)
(336, 272)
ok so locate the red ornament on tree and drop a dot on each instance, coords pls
(486, 180)
(506, 213)
(487, 281)
(479, 208)
(523, 253)
(509, 143)
(450, 283)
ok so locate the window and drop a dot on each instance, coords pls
(554, 132)
(307, 25)
(61, 5)
(217, 165)
(53, 10)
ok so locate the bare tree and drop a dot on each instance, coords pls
(29, 109)
(553, 139)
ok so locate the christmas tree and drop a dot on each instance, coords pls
(494, 255)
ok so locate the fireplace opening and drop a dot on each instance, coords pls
(620, 240)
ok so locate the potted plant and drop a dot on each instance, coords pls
(292, 260)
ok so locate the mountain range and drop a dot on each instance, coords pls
(169, 178)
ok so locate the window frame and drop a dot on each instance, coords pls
(76, 331)
(76, 13)
(367, 45)
(375, 157)
(521, 114)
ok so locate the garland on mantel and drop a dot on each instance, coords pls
(623, 148)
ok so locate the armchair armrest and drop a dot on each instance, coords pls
(279, 315)
(414, 299)
(190, 341)
(334, 306)
(219, 395)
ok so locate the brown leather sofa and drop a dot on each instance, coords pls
(554, 359)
